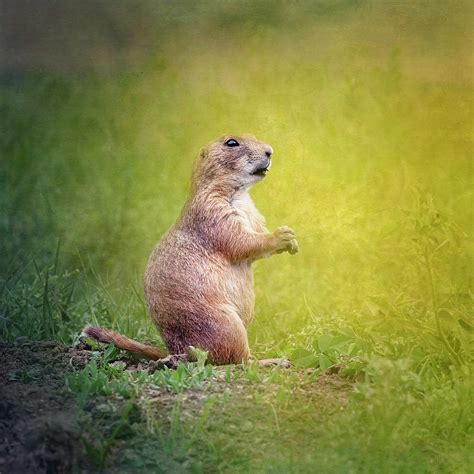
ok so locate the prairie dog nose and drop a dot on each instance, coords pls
(268, 150)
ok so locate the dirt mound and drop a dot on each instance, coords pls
(38, 429)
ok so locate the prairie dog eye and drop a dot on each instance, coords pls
(231, 142)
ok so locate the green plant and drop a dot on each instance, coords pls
(38, 304)
(184, 377)
(432, 231)
(97, 379)
(342, 347)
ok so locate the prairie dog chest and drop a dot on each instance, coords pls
(246, 211)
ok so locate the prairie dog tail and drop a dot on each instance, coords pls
(123, 342)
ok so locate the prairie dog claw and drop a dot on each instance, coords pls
(286, 239)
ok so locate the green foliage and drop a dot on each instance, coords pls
(327, 350)
(183, 378)
(433, 329)
(407, 415)
(395, 419)
(38, 305)
(47, 302)
(93, 380)
(100, 377)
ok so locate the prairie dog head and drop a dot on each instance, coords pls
(235, 160)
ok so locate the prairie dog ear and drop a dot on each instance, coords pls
(203, 153)
(199, 165)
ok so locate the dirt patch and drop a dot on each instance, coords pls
(38, 428)
(42, 430)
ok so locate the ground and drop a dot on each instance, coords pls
(44, 427)
(38, 426)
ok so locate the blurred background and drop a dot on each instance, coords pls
(367, 104)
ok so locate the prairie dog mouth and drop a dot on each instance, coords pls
(262, 169)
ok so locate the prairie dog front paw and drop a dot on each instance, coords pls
(285, 240)
(293, 247)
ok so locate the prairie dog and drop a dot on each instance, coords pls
(198, 283)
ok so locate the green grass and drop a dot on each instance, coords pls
(368, 106)
(200, 418)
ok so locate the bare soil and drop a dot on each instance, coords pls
(38, 428)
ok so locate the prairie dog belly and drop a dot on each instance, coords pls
(251, 219)
(239, 290)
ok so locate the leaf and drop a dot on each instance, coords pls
(445, 314)
(324, 361)
(441, 245)
(299, 353)
(307, 362)
(303, 358)
(347, 332)
(198, 355)
(373, 308)
(92, 343)
(324, 342)
(110, 353)
(352, 349)
(465, 325)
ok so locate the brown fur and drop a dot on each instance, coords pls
(123, 342)
(199, 283)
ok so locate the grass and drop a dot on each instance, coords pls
(368, 107)
(253, 419)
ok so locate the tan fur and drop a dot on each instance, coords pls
(199, 283)
(122, 342)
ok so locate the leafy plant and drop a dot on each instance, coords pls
(184, 377)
